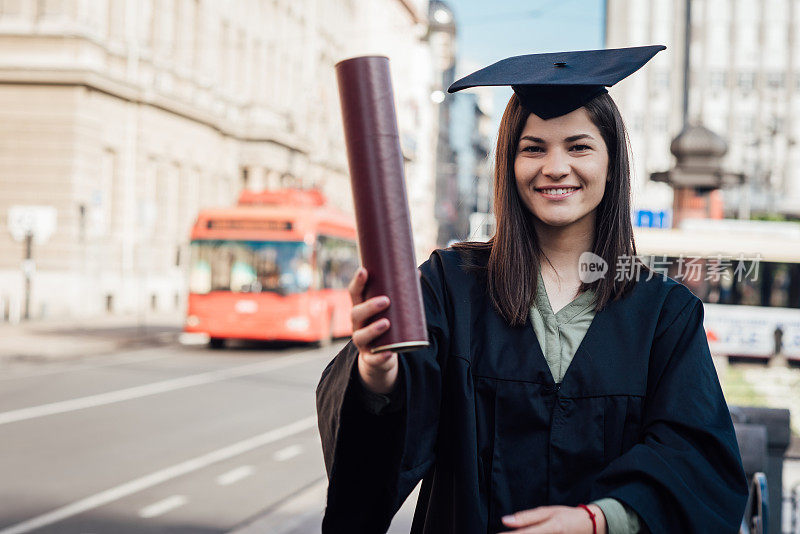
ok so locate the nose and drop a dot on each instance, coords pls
(555, 164)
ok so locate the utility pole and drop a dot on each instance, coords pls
(27, 223)
(687, 40)
(27, 269)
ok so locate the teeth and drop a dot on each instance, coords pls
(558, 191)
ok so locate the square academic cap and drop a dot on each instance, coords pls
(553, 84)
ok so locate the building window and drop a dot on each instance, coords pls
(774, 125)
(746, 81)
(661, 80)
(107, 197)
(241, 55)
(150, 24)
(115, 20)
(638, 123)
(746, 124)
(177, 33)
(337, 261)
(10, 7)
(775, 80)
(717, 80)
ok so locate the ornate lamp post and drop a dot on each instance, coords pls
(697, 172)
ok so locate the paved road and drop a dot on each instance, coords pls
(170, 440)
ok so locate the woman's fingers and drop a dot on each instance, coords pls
(356, 286)
(362, 312)
(552, 519)
(363, 337)
(380, 361)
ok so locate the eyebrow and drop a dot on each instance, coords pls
(566, 139)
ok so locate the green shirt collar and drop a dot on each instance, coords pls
(578, 305)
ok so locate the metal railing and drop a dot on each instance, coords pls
(791, 511)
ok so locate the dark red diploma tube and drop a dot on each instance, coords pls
(379, 196)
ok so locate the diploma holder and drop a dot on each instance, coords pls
(379, 196)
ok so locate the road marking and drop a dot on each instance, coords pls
(159, 477)
(289, 514)
(66, 367)
(162, 507)
(155, 388)
(235, 475)
(287, 453)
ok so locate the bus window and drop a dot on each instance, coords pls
(243, 275)
(283, 267)
(337, 260)
(721, 281)
(200, 276)
(250, 266)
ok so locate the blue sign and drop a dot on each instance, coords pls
(652, 219)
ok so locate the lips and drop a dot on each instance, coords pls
(550, 189)
(557, 193)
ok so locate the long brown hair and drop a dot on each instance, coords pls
(513, 263)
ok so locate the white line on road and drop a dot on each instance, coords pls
(131, 356)
(155, 388)
(299, 509)
(164, 506)
(289, 452)
(159, 477)
(235, 475)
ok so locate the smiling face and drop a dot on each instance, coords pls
(561, 168)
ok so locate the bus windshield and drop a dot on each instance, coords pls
(250, 266)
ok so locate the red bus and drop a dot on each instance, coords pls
(275, 267)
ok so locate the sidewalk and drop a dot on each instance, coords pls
(64, 339)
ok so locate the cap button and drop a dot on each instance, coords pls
(560, 64)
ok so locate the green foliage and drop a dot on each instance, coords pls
(738, 391)
(770, 217)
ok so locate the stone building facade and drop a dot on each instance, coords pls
(128, 116)
(744, 85)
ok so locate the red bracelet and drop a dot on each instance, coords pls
(591, 514)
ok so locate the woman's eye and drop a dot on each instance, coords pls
(532, 148)
(580, 148)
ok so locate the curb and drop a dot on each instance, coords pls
(44, 348)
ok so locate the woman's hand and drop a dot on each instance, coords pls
(378, 372)
(556, 520)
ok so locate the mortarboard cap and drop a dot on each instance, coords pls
(553, 84)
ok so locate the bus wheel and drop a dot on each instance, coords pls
(216, 343)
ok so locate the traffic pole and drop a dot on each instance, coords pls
(28, 256)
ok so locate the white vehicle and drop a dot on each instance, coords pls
(747, 273)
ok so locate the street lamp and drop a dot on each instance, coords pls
(698, 169)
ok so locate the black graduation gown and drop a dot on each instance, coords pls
(639, 416)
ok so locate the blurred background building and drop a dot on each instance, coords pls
(473, 132)
(743, 85)
(443, 44)
(124, 117)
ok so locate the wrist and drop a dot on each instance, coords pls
(378, 381)
(599, 518)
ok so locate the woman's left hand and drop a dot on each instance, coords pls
(556, 520)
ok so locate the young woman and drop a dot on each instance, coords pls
(566, 388)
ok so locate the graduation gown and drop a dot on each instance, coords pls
(639, 417)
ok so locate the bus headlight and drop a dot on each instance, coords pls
(192, 320)
(297, 323)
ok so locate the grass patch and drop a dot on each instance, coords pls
(738, 391)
